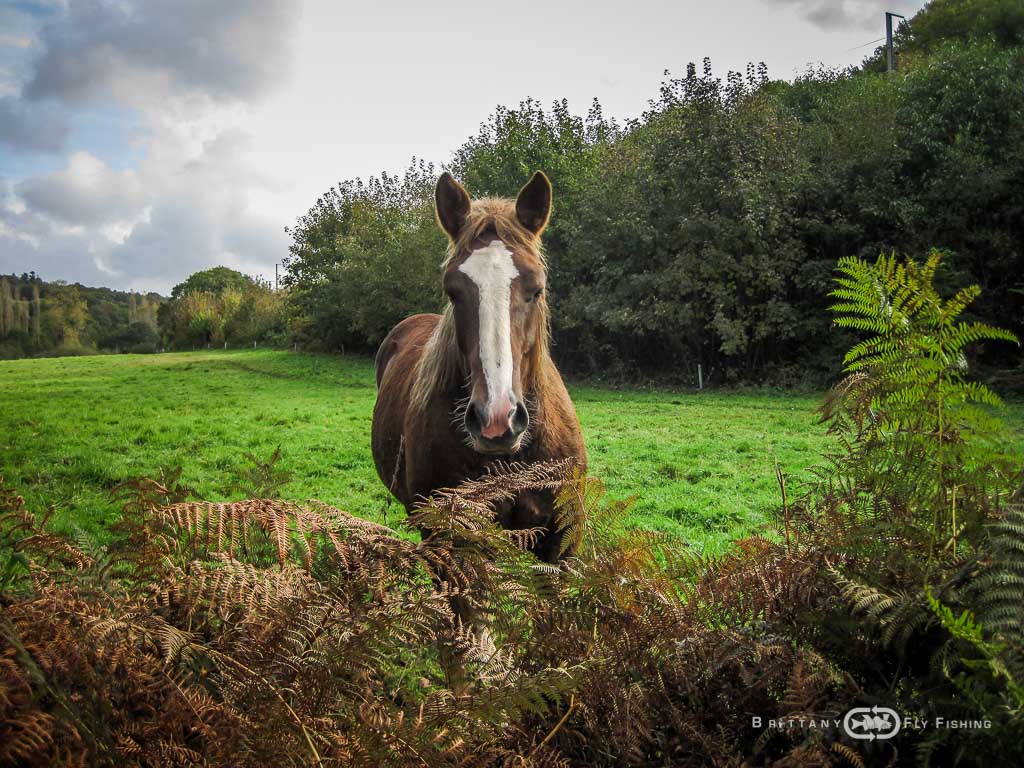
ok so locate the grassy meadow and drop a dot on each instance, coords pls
(700, 465)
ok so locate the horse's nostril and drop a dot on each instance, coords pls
(473, 421)
(520, 419)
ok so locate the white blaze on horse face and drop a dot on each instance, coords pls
(492, 270)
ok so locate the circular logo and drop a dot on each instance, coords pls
(871, 723)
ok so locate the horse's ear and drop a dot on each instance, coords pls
(533, 205)
(452, 204)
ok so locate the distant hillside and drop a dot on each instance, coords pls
(39, 318)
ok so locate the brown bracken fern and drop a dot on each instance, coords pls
(264, 632)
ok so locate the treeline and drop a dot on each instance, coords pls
(54, 318)
(707, 230)
(212, 308)
(221, 307)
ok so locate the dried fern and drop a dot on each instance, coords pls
(262, 632)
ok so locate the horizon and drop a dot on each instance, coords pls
(60, 281)
(144, 141)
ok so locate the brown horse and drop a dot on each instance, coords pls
(475, 385)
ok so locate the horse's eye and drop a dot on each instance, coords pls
(536, 295)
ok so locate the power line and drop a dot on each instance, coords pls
(865, 45)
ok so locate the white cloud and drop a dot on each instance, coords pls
(201, 214)
(15, 41)
(188, 206)
(147, 51)
(189, 71)
(86, 192)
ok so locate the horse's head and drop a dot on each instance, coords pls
(495, 278)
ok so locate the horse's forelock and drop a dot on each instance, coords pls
(498, 215)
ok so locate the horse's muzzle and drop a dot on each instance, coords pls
(496, 432)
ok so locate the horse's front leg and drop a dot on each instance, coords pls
(536, 510)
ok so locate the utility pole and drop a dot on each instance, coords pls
(890, 54)
(275, 277)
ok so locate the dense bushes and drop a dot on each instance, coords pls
(683, 248)
(706, 230)
(264, 632)
(220, 306)
(364, 257)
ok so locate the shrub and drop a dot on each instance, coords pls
(364, 257)
(263, 632)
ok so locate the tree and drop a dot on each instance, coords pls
(218, 306)
(365, 256)
(7, 302)
(37, 311)
(66, 316)
(706, 231)
(216, 280)
(682, 248)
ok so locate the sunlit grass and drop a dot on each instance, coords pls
(701, 465)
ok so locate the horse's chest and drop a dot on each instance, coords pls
(528, 510)
(447, 463)
(439, 459)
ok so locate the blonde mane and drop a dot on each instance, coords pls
(440, 366)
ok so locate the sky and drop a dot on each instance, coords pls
(142, 140)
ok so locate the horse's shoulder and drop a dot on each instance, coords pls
(413, 330)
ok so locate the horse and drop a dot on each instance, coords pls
(461, 392)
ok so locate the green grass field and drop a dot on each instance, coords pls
(699, 464)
